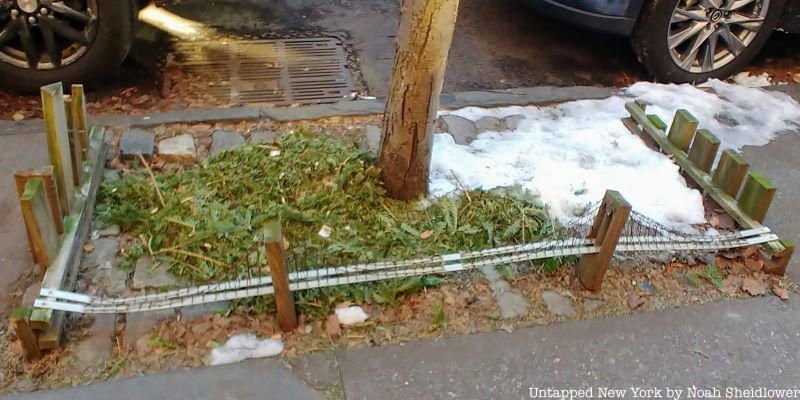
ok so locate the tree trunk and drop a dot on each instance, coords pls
(423, 43)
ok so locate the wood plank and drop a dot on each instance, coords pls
(730, 172)
(779, 262)
(38, 219)
(58, 143)
(75, 151)
(682, 130)
(656, 120)
(704, 150)
(26, 335)
(46, 173)
(756, 196)
(701, 178)
(79, 124)
(77, 226)
(284, 300)
(606, 229)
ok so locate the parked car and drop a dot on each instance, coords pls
(684, 40)
(43, 41)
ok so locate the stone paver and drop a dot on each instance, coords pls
(104, 251)
(95, 349)
(149, 276)
(489, 124)
(224, 140)
(372, 139)
(510, 301)
(179, 149)
(137, 141)
(263, 137)
(558, 304)
(512, 122)
(138, 324)
(462, 129)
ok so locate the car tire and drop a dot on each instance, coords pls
(107, 51)
(652, 49)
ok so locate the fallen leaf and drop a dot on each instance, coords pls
(332, 326)
(88, 247)
(753, 286)
(635, 301)
(782, 293)
(425, 235)
(18, 116)
(796, 78)
(714, 221)
(754, 265)
(726, 222)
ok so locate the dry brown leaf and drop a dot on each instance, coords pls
(88, 247)
(18, 116)
(714, 221)
(426, 235)
(726, 222)
(754, 265)
(754, 286)
(635, 301)
(782, 293)
(796, 78)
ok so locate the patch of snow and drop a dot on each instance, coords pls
(745, 79)
(569, 154)
(351, 315)
(740, 116)
(244, 346)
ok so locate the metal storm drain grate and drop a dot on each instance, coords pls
(283, 72)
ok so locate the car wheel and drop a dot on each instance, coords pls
(694, 40)
(44, 41)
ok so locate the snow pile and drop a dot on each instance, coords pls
(351, 315)
(745, 79)
(738, 115)
(241, 347)
(571, 153)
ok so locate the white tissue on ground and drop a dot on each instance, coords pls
(351, 315)
(241, 347)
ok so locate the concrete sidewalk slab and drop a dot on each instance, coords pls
(736, 344)
(18, 152)
(252, 379)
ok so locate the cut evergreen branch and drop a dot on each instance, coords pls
(332, 207)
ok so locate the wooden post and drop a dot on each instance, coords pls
(704, 150)
(730, 172)
(682, 130)
(778, 262)
(58, 143)
(75, 151)
(284, 300)
(756, 196)
(423, 44)
(21, 178)
(79, 124)
(38, 219)
(26, 336)
(606, 230)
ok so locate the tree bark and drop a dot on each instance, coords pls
(423, 44)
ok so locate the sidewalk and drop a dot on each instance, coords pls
(751, 343)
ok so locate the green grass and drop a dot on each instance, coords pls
(710, 273)
(212, 225)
